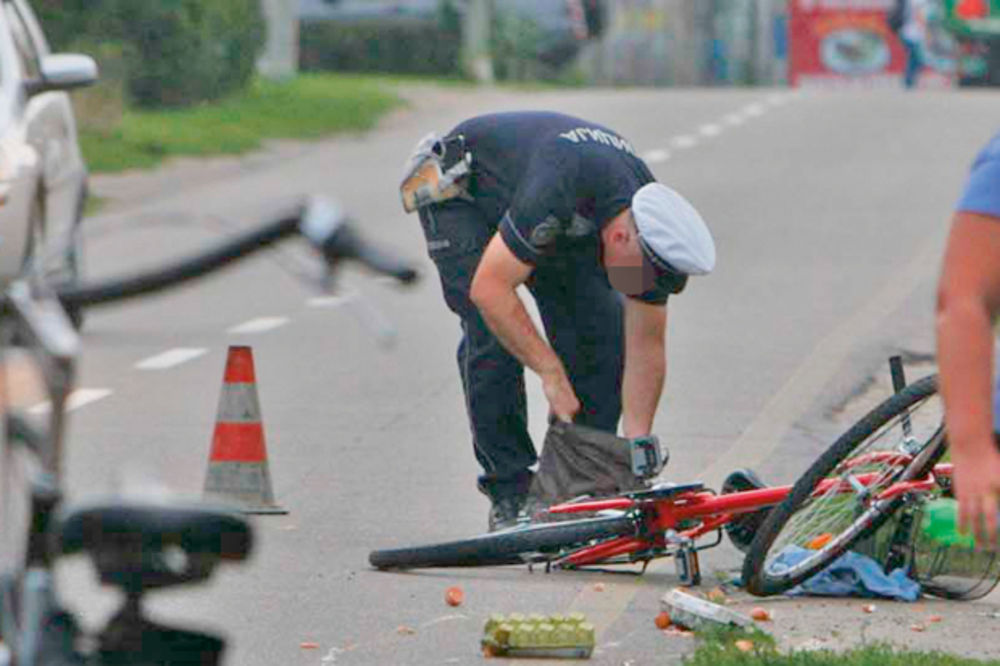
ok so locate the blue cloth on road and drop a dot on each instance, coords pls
(850, 575)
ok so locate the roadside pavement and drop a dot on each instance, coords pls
(184, 185)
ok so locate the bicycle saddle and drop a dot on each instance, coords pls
(141, 544)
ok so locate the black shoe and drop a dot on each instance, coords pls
(505, 512)
(742, 528)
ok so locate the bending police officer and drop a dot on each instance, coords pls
(566, 208)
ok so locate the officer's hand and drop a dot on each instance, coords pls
(563, 402)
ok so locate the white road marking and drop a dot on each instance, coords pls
(766, 432)
(778, 99)
(170, 358)
(656, 156)
(331, 301)
(684, 141)
(710, 130)
(734, 119)
(76, 400)
(755, 109)
(259, 325)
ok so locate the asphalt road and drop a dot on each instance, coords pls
(829, 213)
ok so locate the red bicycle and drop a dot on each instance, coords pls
(886, 461)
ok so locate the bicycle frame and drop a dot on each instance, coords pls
(663, 524)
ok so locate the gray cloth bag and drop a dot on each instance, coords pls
(577, 461)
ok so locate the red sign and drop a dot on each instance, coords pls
(847, 44)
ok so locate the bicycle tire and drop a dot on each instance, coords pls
(759, 580)
(504, 547)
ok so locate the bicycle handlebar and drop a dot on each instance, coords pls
(329, 230)
(319, 220)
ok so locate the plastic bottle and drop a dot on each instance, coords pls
(940, 524)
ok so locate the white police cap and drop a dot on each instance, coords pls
(672, 231)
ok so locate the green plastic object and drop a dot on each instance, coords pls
(555, 636)
(940, 524)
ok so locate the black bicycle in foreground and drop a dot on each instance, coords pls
(135, 545)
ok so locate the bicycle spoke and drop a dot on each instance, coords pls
(848, 500)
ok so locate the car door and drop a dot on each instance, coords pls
(51, 130)
(20, 164)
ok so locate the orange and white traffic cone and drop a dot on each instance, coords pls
(237, 468)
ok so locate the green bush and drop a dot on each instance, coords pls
(190, 50)
(406, 46)
(180, 51)
(400, 48)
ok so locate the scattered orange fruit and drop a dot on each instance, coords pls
(454, 596)
(868, 608)
(309, 646)
(935, 618)
(716, 595)
(744, 645)
(818, 542)
(917, 627)
(404, 630)
(760, 614)
(662, 620)
(598, 587)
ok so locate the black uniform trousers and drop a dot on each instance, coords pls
(583, 320)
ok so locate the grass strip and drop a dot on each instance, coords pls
(721, 648)
(309, 106)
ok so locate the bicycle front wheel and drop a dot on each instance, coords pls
(515, 546)
(837, 501)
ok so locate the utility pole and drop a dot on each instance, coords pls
(764, 43)
(477, 58)
(280, 58)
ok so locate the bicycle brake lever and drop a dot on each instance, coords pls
(329, 229)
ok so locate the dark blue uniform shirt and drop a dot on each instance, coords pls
(551, 181)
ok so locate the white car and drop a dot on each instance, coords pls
(43, 177)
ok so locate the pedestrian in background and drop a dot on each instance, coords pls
(913, 34)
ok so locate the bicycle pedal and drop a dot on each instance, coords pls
(687, 566)
(554, 636)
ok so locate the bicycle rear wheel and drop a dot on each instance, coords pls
(506, 547)
(834, 504)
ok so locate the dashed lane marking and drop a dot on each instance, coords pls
(684, 141)
(259, 325)
(713, 129)
(76, 400)
(710, 130)
(331, 301)
(656, 156)
(170, 358)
